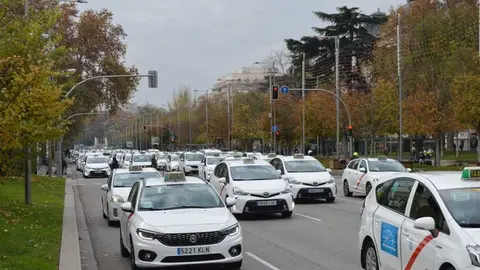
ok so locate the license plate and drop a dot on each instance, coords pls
(266, 203)
(315, 190)
(192, 251)
(98, 171)
(474, 173)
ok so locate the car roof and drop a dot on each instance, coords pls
(123, 170)
(449, 180)
(160, 181)
(241, 162)
(289, 158)
(377, 159)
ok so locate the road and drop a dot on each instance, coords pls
(319, 236)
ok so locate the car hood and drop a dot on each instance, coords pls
(310, 177)
(182, 220)
(146, 163)
(122, 192)
(189, 162)
(174, 163)
(97, 165)
(260, 186)
(162, 160)
(474, 234)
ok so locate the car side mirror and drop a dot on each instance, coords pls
(126, 207)
(363, 170)
(328, 170)
(222, 180)
(230, 201)
(425, 224)
(279, 172)
(409, 170)
(104, 187)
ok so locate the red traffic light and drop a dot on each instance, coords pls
(350, 127)
(277, 133)
(275, 88)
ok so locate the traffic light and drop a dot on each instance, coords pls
(350, 130)
(275, 92)
(277, 133)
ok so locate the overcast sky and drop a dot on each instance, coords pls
(194, 42)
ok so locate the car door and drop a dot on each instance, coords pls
(215, 176)
(388, 220)
(106, 193)
(359, 184)
(351, 173)
(181, 162)
(419, 246)
(201, 167)
(125, 215)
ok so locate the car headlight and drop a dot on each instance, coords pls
(117, 199)
(474, 253)
(237, 191)
(232, 230)
(293, 181)
(148, 235)
(331, 181)
(286, 190)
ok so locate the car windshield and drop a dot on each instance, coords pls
(254, 172)
(214, 160)
(142, 158)
(386, 166)
(174, 158)
(179, 196)
(210, 154)
(194, 157)
(464, 205)
(162, 157)
(97, 159)
(128, 179)
(301, 166)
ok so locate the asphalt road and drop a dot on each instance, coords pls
(319, 236)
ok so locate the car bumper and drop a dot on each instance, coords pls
(100, 173)
(113, 211)
(314, 192)
(167, 256)
(249, 204)
(189, 169)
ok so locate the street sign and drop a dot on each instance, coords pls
(284, 89)
(129, 144)
(274, 128)
(155, 140)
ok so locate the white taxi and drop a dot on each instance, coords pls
(309, 179)
(361, 174)
(96, 165)
(423, 221)
(256, 186)
(207, 165)
(118, 186)
(142, 159)
(179, 221)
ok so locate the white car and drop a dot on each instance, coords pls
(255, 184)
(309, 179)
(172, 163)
(422, 221)
(161, 161)
(361, 174)
(79, 161)
(96, 166)
(117, 188)
(142, 159)
(207, 165)
(189, 162)
(125, 162)
(179, 221)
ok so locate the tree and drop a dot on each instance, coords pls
(319, 115)
(247, 110)
(466, 105)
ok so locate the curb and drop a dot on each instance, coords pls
(70, 247)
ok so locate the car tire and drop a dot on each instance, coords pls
(346, 189)
(330, 200)
(287, 214)
(368, 188)
(234, 266)
(370, 263)
(123, 249)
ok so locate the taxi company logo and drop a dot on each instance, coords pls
(265, 194)
(193, 238)
(315, 183)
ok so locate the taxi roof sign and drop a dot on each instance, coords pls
(271, 155)
(471, 173)
(298, 156)
(175, 177)
(248, 161)
(382, 157)
(135, 168)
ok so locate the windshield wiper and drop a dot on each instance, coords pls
(186, 206)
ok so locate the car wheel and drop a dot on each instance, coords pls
(123, 249)
(287, 214)
(368, 188)
(234, 266)
(330, 200)
(103, 212)
(370, 258)
(346, 189)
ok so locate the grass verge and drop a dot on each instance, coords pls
(30, 235)
(425, 168)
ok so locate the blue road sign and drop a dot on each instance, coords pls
(284, 89)
(274, 128)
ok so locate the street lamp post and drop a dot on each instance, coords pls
(206, 112)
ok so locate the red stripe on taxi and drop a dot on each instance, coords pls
(417, 251)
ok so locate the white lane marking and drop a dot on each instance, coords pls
(309, 217)
(260, 260)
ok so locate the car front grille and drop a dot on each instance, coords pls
(314, 185)
(252, 207)
(193, 258)
(304, 193)
(266, 195)
(185, 239)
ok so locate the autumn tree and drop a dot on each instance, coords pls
(248, 109)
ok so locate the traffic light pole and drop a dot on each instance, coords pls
(274, 123)
(350, 147)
